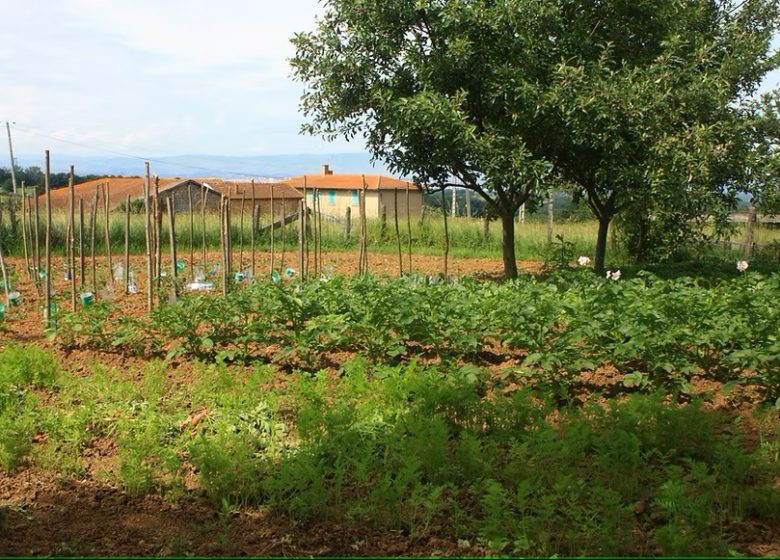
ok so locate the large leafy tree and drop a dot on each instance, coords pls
(613, 96)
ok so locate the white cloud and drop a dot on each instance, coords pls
(156, 78)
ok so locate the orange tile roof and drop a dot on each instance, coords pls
(349, 181)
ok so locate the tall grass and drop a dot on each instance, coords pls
(466, 236)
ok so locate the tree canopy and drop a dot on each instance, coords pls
(626, 101)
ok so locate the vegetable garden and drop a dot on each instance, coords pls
(562, 413)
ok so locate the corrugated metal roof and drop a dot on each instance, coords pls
(120, 187)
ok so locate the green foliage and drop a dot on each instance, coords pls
(423, 449)
(22, 369)
(634, 106)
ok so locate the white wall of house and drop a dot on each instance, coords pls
(334, 202)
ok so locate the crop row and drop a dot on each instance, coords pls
(656, 332)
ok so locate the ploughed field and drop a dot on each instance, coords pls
(561, 413)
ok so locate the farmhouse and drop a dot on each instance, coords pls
(339, 191)
(209, 189)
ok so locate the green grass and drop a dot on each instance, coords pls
(466, 237)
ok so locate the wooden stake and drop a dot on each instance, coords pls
(409, 225)
(223, 242)
(47, 187)
(203, 224)
(446, 234)
(347, 223)
(315, 233)
(241, 234)
(157, 236)
(749, 225)
(81, 241)
(92, 228)
(37, 241)
(71, 238)
(107, 207)
(284, 240)
(397, 232)
(5, 277)
(25, 237)
(126, 278)
(172, 241)
(550, 217)
(254, 226)
(302, 236)
(229, 238)
(192, 233)
(273, 229)
(305, 227)
(148, 237)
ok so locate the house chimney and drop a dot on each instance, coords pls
(325, 169)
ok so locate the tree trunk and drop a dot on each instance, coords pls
(601, 244)
(508, 244)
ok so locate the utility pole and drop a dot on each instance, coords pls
(11, 150)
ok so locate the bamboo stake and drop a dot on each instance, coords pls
(107, 206)
(71, 238)
(47, 186)
(172, 241)
(81, 240)
(254, 226)
(126, 278)
(92, 228)
(192, 233)
(148, 237)
(397, 232)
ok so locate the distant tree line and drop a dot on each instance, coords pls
(33, 177)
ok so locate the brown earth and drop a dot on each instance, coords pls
(44, 513)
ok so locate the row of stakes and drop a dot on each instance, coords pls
(199, 283)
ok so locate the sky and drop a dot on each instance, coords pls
(157, 77)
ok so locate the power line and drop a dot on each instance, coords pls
(36, 131)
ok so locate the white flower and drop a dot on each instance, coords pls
(583, 261)
(613, 275)
(742, 266)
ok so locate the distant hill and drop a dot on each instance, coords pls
(273, 166)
